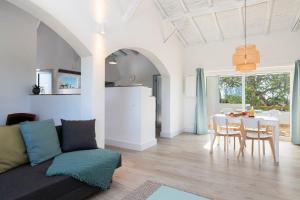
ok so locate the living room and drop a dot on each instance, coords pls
(189, 42)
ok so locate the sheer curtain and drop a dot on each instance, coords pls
(296, 105)
(201, 120)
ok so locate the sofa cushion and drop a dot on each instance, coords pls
(78, 135)
(41, 140)
(12, 148)
(30, 183)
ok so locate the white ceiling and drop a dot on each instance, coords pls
(204, 21)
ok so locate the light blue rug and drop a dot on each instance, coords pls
(164, 193)
(156, 191)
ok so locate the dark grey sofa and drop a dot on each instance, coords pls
(30, 183)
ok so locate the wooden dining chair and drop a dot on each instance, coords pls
(263, 129)
(219, 131)
(258, 135)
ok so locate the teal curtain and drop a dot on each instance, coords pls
(201, 121)
(296, 105)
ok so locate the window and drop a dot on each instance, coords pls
(44, 80)
(268, 92)
(230, 89)
(263, 91)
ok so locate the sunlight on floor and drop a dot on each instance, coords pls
(207, 145)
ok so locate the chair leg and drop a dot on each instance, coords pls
(227, 141)
(272, 148)
(242, 146)
(224, 143)
(212, 144)
(252, 149)
(234, 142)
(264, 148)
(259, 151)
(240, 141)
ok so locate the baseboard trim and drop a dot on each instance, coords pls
(170, 134)
(188, 130)
(131, 146)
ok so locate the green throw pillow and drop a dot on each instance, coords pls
(41, 140)
(12, 148)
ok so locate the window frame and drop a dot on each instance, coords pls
(231, 76)
(260, 71)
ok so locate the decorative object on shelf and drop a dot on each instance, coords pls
(247, 56)
(69, 79)
(36, 90)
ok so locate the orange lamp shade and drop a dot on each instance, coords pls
(245, 67)
(245, 60)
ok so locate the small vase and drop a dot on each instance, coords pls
(36, 90)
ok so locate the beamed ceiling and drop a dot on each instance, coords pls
(204, 21)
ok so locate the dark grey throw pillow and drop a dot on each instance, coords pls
(78, 135)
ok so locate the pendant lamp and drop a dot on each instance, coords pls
(246, 57)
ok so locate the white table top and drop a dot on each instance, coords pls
(264, 118)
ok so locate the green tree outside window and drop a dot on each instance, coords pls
(264, 92)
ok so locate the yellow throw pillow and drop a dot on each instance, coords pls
(12, 148)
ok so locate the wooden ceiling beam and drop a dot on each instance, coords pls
(192, 20)
(270, 8)
(183, 5)
(196, 26)
(295, 24)
(242, 17)
(165, 15)
(132, 8)
(213, 9)
(217, 24)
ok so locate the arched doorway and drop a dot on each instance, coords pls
(160, 80)
(55, 25)
(91, 101)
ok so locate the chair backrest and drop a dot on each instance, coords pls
(220, 121)
(273, 113)
(17, 118)
(251, 123)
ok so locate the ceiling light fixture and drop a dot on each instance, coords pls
(112, 60)
(246, 57)
(101, 29)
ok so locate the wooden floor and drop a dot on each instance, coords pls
(185, 163)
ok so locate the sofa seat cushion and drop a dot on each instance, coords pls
(28, 182)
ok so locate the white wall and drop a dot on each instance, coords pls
(53, 52)
(277, 49)
(17, 59)
(56, 107)
(131, 65)
(20, 43)
(79, 26)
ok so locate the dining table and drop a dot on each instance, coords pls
(267, 121)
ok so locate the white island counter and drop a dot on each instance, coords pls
(130, 117)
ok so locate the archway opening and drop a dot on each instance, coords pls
(129, 68)
(88, 106)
